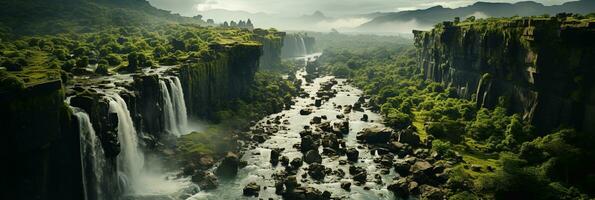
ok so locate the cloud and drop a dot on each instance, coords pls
(329, 7)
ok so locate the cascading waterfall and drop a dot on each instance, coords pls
(92, 157)
(131, 158)
(169, 113)
(177, 95)
(303, 46)
(176, 116)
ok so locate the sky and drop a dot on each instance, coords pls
(301, 7)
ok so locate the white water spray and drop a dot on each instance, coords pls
(171, 124)
(177, 95)
(131, 158)
(92, 156)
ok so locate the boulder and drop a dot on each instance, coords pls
(251, 189)
(318, 102)
(205, 180)
(364, 118)
(275, 153)
(352, 154)
(229, 166)
(399, 187)
(312, 156)
(375, 134)
(346, 185)
(421, 166)
(306, 111)
(296, 162)
(316, 120)
(308, 143)
(317, 171)
(431, 192)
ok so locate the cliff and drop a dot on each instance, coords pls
(210, 83)
(297, 45)
(40, 143)
(538, 67)
(272, 43)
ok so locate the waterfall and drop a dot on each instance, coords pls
(92, 156)
(179, 103)
(303, 46)
(170, 117)
(131, 158)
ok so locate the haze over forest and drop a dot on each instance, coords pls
(355, 15)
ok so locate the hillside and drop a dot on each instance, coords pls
(437, 14)
(58, 16)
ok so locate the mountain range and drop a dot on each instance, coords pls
(429, 17)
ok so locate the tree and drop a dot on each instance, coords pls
(83, 62)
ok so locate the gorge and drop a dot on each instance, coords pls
(132, 102)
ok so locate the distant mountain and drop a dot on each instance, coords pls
(57, 16)
(437, 14)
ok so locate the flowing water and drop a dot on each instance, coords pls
(261, 171)
(176, 117)
(92, 157)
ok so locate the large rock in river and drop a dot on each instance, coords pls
(229, 166)
(375, 134)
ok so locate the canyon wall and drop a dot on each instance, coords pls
(272, 43)
(540, 68)
(40, 144)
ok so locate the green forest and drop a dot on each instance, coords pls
(131, 99)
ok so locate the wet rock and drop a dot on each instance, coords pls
(229, 166)
(275, 153)
(357, 107)
(364, 118)
(284, 160)
(317, 171)
(346, 185)
(318, 102)
(312, 156)
(206, 180)
(402, 167)
(361, 177)
(352, 154)
(243, 164)
(205, 162)
(251, 189)
(306, 111)
(325, 126)
(341, 127)
(296, 162)
(291, 183)
(316, 120)
(399, 187)
(308, 143)
(413, 187)
(329, 151)
(342, 162)
(347, 109)
(375, 134)
(340, 116)
(259, 138)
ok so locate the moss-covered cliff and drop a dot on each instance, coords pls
(272, 43)
(40, 144)
(208, 84)
(535, 66)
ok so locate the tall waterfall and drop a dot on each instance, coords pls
(168, 109)
(176, 117)
(131, 158)
(92, 157)
(179, 103)
(302, 45)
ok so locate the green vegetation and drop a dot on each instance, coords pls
(515, 161)
(117, 49)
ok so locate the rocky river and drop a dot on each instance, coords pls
(312, 151)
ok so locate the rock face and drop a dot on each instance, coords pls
(226, 76)
(539, 66)
(40, 144)
(271, 47)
